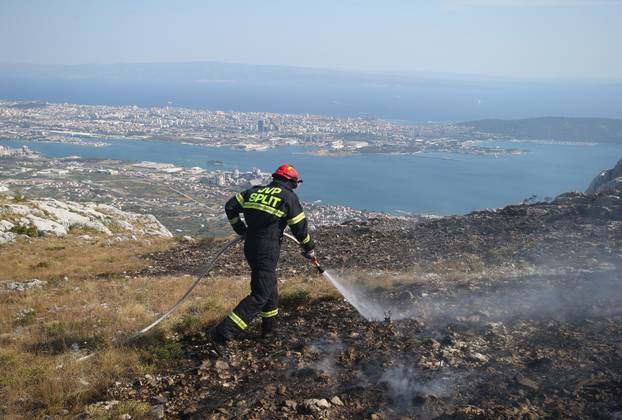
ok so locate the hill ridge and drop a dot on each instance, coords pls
(573, 129)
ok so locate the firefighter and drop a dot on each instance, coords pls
(267, 211)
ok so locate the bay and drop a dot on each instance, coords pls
(430, 183)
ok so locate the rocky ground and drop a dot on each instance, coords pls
(574, 229)
(339, 366)
(329, 362)
(514, 313)
(59, 218)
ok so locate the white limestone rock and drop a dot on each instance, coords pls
(6, 226)
(17, 286)
(70, 214)
(18, 209)
(7, 237)
(140, 224)
(46, 226)
(55, 217)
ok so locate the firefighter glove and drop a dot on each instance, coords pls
(310, 254)
(239, 228)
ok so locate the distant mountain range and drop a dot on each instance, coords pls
(221, 73)
(598, 130)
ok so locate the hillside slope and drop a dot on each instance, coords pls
(507, 313)
(598, 130)
(608, 180)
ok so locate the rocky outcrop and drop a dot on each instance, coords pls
(54, 217)
(18, 286)
(6, 233)
(608, 180)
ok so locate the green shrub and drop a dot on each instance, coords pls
(168, 351)
(29, 230)
(295, 298)
(19, 198)
(188, 324)
(25, 317)
(55, 248)
(164, 352)
(82, 230)
(104, 411)
(41, 264)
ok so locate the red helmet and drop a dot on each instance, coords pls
(288, 172)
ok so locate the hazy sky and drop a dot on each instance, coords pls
(524, 38)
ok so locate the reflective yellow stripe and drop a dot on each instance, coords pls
(306, 239)
(240, 199)
(234, 220)
(263, 207)
(296, 219)
(270, 314)
(237, 320)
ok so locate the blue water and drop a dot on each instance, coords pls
(416, 102)
(436, 183)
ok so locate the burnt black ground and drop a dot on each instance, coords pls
(485, 366)
(531, 328)
(572, 230)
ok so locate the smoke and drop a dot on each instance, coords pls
(553, 295)
(405, 383)
(413, 391)
(328, 350)
(318, 358)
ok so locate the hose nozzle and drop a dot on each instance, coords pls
(317, 265)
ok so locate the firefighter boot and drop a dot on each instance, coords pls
(269, 327)
(218, 343)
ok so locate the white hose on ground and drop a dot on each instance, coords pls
(200, 277)
(206, 269)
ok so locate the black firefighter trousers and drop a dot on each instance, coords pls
(262, 255)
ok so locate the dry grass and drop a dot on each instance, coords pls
(44, 331)
(445, 271)
(51, 257)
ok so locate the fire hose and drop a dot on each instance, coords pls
(206, 269)
(202, 274)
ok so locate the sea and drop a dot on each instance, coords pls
(427, 183)
(427, 101)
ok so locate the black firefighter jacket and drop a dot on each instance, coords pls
(267, 211)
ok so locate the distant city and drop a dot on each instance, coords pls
(91, 126)
(116, 141)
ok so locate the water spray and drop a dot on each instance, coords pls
(207, 268)
(203, 273)
(367, 309)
